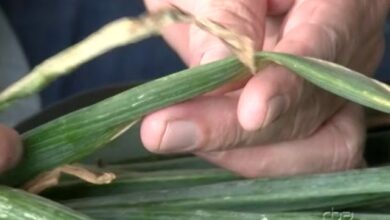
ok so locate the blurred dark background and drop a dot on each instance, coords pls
(44, 27)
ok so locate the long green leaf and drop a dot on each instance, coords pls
(313, 192)
(337, 79)
(129, 182)
(142, 214)
(16, 205)
(73, 136)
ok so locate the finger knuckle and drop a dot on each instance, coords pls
(224, 135)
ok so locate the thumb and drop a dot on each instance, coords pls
(246, 17)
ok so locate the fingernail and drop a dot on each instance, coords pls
(179, 136)
(215, 54)
(276, 107)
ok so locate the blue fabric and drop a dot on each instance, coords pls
(45, 27)
(383, 72)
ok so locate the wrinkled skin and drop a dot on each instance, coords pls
(274, 123)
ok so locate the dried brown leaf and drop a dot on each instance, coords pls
(51, 178)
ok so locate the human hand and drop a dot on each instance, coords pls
(274, 123)
(10, 148)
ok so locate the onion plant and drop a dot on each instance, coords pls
(76, 135)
